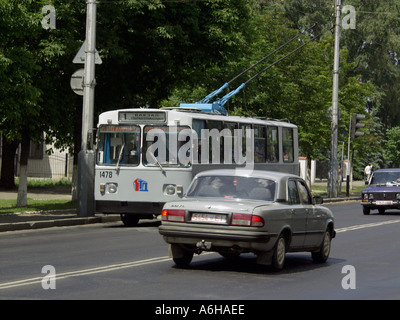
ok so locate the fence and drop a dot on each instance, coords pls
(54, 166)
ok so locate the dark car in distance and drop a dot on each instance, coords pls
(383, 191)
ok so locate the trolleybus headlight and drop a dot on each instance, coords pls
(170, 189)
(112, 187)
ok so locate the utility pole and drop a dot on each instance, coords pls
(349, 164)
(334, 169)
(85, 205)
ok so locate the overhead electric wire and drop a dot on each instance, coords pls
(270, 54)
(222, 101)
(284, 57)
(207, 98)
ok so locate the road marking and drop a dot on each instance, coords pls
(132, 264)
(85, 272)
(367, 225)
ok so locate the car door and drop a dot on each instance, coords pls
(298, 215)
(314, 221)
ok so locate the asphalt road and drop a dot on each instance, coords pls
(110, 261)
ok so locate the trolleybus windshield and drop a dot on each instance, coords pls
(119, 145)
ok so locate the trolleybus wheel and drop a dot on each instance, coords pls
(129, 220)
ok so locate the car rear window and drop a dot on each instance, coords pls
(233, 187)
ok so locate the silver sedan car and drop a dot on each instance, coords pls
(234, 211)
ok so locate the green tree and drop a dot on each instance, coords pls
(392, 148)
(34, 75)
(20, 98)
(299, 88)
(147, 47)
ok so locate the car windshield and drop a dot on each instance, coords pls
(232, 187)
(386, 177)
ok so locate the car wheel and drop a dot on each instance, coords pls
(278, 256)
(185, 260)
(323, 253)
(366, 210)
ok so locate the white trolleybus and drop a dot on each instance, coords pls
(146, 157)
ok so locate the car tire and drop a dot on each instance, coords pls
(366, 210)
(185, 260)
(322, 254)
(278, 255)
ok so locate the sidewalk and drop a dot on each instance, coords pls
(61, 218)
(55, 218)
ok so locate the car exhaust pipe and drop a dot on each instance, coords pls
(203, 246)
(236, 249)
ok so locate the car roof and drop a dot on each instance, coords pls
(388, 170)
(279, 177)
(247, 173)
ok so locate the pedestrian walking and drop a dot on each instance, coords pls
(367, 172)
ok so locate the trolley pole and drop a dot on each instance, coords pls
(85, 205)
(334, 169)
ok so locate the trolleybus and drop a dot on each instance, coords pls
(146, 157)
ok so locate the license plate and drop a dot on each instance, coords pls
(384, 202)
(209, 217)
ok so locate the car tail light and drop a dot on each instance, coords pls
(173, 215)
(246, 220)
(241, 219)
(257, 221)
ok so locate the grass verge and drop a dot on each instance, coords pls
(9, 206)
(322, 190)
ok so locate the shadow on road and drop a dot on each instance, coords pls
(246, 263)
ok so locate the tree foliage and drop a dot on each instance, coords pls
(161, 53)
(392, 147)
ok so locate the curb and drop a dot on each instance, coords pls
(343, 199)
(31, 225)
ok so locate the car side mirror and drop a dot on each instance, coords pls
(317, 200)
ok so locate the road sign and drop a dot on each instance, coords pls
(77, 81)
(81, 55)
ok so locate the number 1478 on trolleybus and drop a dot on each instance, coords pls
(146, 157)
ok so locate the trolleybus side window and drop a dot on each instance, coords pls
(287, 137)
(119, 145)
(259, 144)
(227, 155)
(244, 128)
(166, 145)
(198, 126)
(215, 131)
(272, 144)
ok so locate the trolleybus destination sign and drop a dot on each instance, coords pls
(142, 117)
